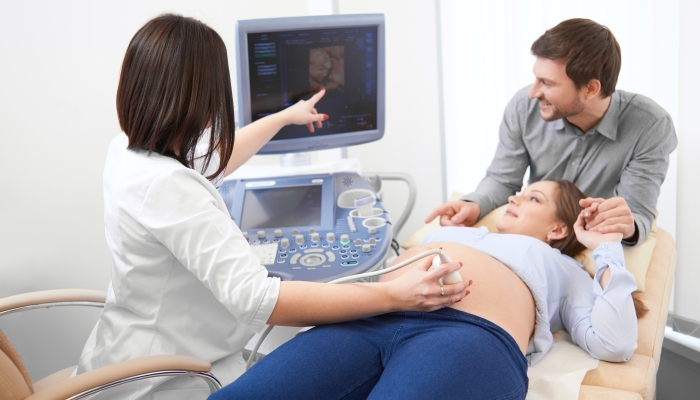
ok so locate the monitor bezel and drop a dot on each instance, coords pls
(321, 142)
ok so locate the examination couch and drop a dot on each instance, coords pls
(653, 264)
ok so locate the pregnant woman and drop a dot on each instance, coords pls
(526, 286)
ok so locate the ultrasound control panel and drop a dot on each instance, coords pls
(312, 227)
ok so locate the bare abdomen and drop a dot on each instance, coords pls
(497, 293)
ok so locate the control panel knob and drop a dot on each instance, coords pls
(366, 248)
(245, 234)
(315, 237)
(358, 242)
(372, 241)
(344, 239)
(312, 230)
(285, 243)
(261, 234)
(300, 239)
(372, 230)
(278, 233)
(330, 237)
(295, 232)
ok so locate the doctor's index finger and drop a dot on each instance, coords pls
(315, 98)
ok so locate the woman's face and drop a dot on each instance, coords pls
(533, 213)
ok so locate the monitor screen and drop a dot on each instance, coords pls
(283, 207)
(284, 60)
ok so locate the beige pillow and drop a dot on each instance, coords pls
(637, 258)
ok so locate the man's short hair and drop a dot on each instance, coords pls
(589, 49)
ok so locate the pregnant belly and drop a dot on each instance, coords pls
(497, 293)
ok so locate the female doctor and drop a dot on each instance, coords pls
(184, 280)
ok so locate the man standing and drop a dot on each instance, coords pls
(572, 124)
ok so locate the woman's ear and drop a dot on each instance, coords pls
(560, 231)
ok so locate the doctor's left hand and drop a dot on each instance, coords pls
(419, 289)
(304, 112)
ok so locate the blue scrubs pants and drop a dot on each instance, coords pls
(445, 354)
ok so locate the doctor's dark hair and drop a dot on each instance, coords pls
(589, 49)
(568, 209)
(174, 85)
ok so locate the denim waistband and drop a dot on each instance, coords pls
(449, 313)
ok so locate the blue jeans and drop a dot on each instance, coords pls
(445, 354)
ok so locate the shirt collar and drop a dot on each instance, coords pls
(608, 125)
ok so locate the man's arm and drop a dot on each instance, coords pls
(504, 176)
(640, 183)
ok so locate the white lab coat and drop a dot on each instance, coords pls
(184, 280)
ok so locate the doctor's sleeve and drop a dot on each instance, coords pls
(181, 213)
(504, 177)
(603, 321)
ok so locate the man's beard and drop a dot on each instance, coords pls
(573, 108)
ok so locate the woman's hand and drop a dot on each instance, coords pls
(419, 289)
(593, 238)
(304, 113)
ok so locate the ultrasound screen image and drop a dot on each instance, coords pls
(285, 67)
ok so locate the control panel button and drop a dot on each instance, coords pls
(315, 237)
(261, 234)
(366, 248)
(344, 239)
(278, 233)
(372, 241)
(299, 239)
(312, 230)
(245, 234)
(295, 232)
(372, 230)
(330, 237)
(358, 242)
(285, 243)
(294, 258)
(331, 256)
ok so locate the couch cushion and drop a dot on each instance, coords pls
(636, 375)
(601, 393)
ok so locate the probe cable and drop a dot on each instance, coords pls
(254, 352)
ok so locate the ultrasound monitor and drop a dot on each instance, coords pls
(283, 60)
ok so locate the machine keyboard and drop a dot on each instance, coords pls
(266, 252)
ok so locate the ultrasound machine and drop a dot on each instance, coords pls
(324, 225)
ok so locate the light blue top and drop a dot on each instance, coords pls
(601, 321)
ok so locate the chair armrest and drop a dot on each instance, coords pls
(52, 298)
(104, 378)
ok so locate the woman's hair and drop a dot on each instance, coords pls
(175, 84)
(568, 209)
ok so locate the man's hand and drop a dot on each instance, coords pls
(608, 216)
(592, 239)
(456, 213)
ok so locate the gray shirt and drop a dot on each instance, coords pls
(626, 154)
